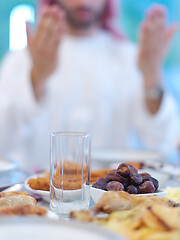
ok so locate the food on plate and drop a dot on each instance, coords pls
(70, 171)
(131, 189)
(13, 193)
(173, 194)
(135, 179)
(100, 173)
(113, 201)
(124, 170)
(17, 200)
(146, 187)
(145, 176)
(40, 183)
(135, 217)
(127, 178)
(68, 182)
(72, 178)
(23, 210)
(101, 183)
(43, 183)
(147, 223)
(114, 176)
(19, 203)
(115, 186)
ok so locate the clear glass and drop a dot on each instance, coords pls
(70, 172)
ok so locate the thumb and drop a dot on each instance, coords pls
(28, 33)
(171, 32)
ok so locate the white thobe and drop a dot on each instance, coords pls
(96, 88)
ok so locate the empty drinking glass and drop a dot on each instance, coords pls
(70, 172)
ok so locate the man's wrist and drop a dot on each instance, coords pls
(155, 93)
(154, 89)
(36, 76)
(38, 84)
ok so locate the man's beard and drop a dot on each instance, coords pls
(82, 24)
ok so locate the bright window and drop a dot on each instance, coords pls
(18, 17)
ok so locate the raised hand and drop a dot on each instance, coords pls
(155, 38)
(43, 46)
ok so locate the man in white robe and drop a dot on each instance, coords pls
(78, 75)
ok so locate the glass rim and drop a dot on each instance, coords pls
(70, 134)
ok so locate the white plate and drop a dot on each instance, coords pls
(37, 229)
(104, 158)
(7, 165)
(96, 194)
(44, 194)
(67, 194)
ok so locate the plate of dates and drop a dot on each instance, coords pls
(126, 178)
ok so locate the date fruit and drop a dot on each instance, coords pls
(102, 183)
(131, 189)
(126, 178)
(115, 186)
(124, 169)
(146, 187)
(114, 176)
(133, 169)
(155, 182)
(145, 177)
(136, 179)
(95, 185)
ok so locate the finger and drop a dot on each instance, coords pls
(157, 16)
(28, 33)
(44, 31)
(52, 18)
(156, 9)
(157, 21)
(159, 30)
(171, 31)
(58, 12)
(54, 11)
(50, 38)
(44, 23)
(146, 36)
(43, 10)
(53, 31)
(54, 35)
(53, 42)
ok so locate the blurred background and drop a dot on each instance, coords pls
(14, 14)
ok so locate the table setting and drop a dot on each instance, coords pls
(101, 194)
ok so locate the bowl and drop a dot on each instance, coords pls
(67, 194)
(96, 193)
